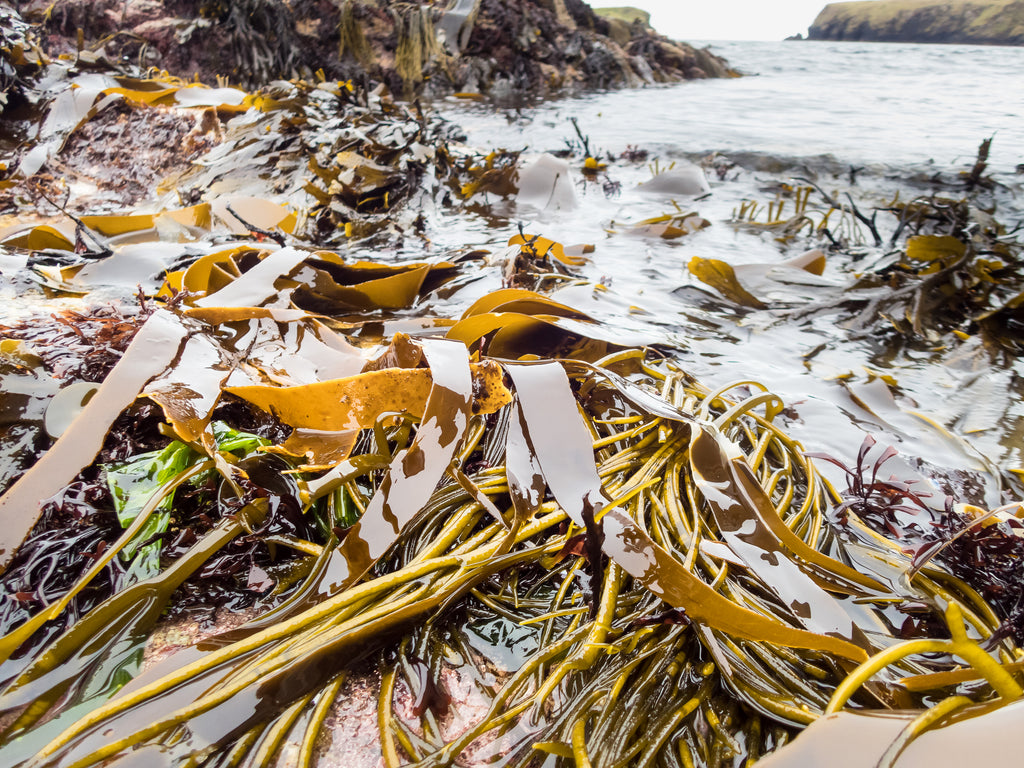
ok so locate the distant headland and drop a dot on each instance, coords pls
(979, 22)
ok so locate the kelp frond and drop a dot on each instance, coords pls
(666, 556)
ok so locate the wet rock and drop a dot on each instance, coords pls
(517, 46)
(688, 181)
(546, 183)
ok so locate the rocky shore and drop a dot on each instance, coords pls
(968, 22)
(493, 47)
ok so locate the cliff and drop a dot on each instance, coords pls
(626, 13)
(500, 47)
(981, 22)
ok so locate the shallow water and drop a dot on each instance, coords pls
(899, 115)
(861, 103)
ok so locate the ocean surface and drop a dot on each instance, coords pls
(871, 123)
(860, 103)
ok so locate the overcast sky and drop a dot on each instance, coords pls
(727, 19)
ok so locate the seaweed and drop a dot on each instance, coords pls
(307, 439)
(985, 550)
(648, 531)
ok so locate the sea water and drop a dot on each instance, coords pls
(877, 122)
(861, 103)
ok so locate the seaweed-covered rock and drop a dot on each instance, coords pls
(430, 48)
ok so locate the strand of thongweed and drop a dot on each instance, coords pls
(499, 713)
(923, 722)
(769, 696)
(355, 633)
(976, 611)
(608, 715)
(782, 675)
(241, 747)
(612, 730)
(268, 663)
(709, 400)
(251, 643)
(276, 732)
(959, 644)
(603, 740)
(414, 745)
(10, 642)
(548, 619)
(479, 549)
(588, 651)
(672, 500)
(389, 750)
(644, 700)
(316, 720)
(789, 451)
(657, 739)
(313, 635)
(568, 665)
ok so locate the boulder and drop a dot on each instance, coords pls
(416, 49)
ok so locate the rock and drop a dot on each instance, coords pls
(688, 181)
(626, 14)
(546, 183)
(975, 22)
(620, 31)
(426, 49)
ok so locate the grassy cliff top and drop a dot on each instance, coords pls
(624, 13)
(883, 10)
(964, 21)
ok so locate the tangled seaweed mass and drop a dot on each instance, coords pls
(665, 554)
(536, 540)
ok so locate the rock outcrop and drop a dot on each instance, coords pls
(980, 22)
(498, 47)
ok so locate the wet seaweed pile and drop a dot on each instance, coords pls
(346, 452)
(673, 564)
(513, 49)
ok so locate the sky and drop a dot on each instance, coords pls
(727, 19)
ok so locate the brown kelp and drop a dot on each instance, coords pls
(680, 584)
(545, 536)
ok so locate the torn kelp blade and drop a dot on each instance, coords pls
(150, 352)
(524, 302)
(748, 536)
(256, 286)
(415, 472)
(189, 390)
(861, 740)
(722, 277)
(563, 447)
(538, 247)
(326, 296)
(356, 402)
(300, 350)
